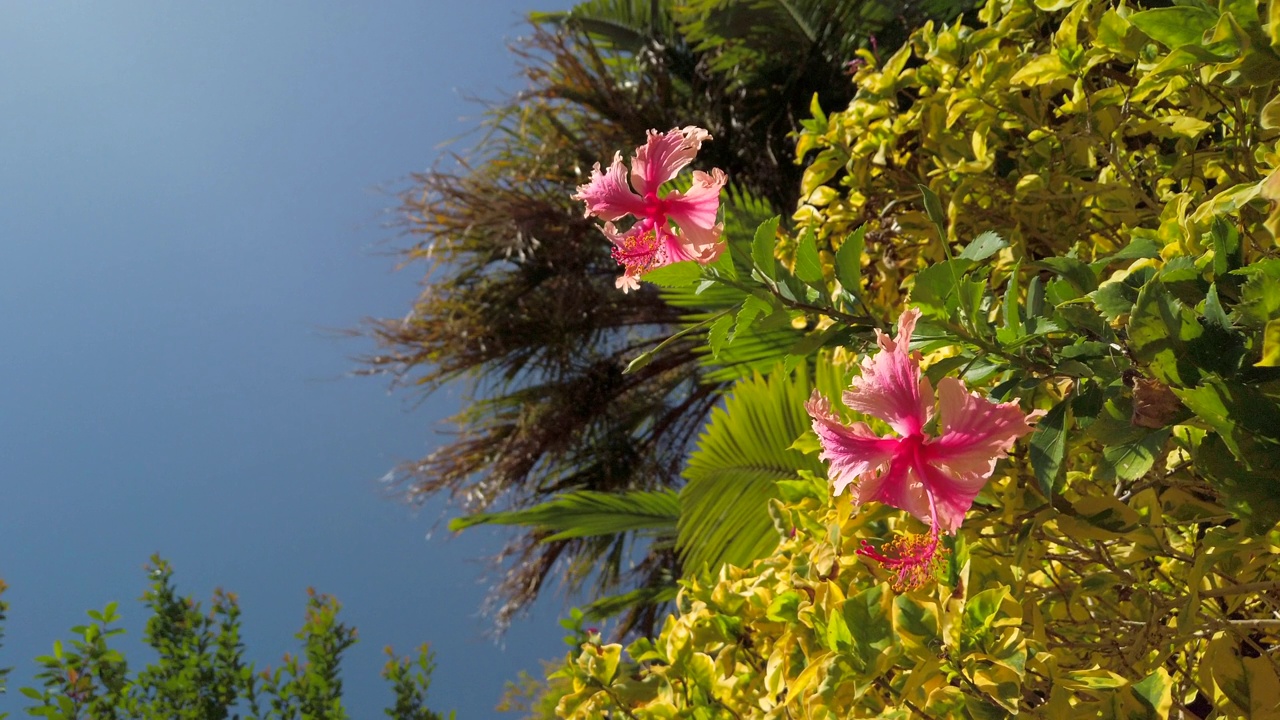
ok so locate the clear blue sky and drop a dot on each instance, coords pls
(188, 209)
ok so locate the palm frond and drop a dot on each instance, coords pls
(740, 458)
(586, 513)
(619, 25)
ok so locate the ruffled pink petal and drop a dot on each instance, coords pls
(891, 387)
(900, 486)
(663, 156)
(607, 195)
(698, 206)
(857, 455)
(952, 496)
(676, 247)
(975, 433)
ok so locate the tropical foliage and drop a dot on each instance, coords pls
(200, 672)
(1081, 201)
(520, 299)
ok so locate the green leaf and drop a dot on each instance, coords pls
(1249, 492)
(1012, 315)
(1035, 303)
(1226, 246)
(1160, 328)
(838, 636)
(762, 248)
(933, 208)
(1234, 410)
(1139, 249)
(675, 275)
(1260, 294)
(980, 612)
(916, 620)
(1175, 26)
(868, 616)
(983, 247)
(1075, 272)
(1115, 298)
(718, 335)
(1155, 691)
(937, 287)
(784, 606)
(808, 264)
(849, 261)
(1049, 446)
(1132, 455)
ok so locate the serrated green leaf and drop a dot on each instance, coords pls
(849, 261)
(1073, 271)
(808, 264)
(675, 275)
(718, 334)
(1115, 298)
(762, 248)
(937, 287)
(983, 247)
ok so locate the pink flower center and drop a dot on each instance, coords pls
(654, 207)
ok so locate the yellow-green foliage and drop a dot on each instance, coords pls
(1058, 123)
(1092, 607)
(1125, 568)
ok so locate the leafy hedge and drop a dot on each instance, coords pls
(1122, 562)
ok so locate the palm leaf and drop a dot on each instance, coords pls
(586, 513)
(621, 25)
(741, 456)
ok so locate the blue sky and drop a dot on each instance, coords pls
(190, 207)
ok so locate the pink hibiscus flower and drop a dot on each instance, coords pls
(652, 242)
(933, 478)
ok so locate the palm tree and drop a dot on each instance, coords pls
(519, 298)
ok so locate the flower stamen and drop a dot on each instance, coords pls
(639, 252)
(917, 559)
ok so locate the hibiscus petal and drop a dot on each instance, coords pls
(857, 455)
(975, 433)
(663, 155)
(607, 195)
(891, 386)
(697, 208)
(900, 486)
